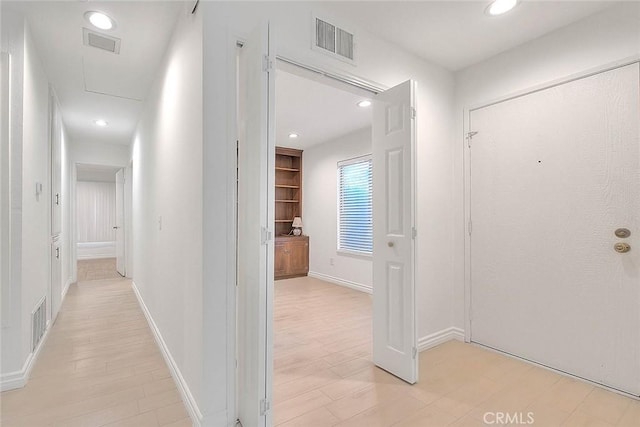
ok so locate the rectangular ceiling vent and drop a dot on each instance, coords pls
(100, 41)
(335, 40)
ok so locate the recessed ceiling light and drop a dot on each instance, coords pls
(293, 135)
(100, 20)
(101, 123)
(498, 7)
(364, 103)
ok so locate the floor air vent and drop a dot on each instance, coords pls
(100, 41)
(38, 323)
(334, 39)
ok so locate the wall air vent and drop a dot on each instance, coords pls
(334, 40)
(100, 41)
(38, 323)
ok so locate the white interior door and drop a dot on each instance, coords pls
(256, 191)
(394, 326)
(553, 174)
(120, 256)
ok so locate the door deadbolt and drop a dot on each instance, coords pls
(622, 248)
(622, 233)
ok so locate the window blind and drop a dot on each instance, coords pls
(355, 205)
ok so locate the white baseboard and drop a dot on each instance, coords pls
(99, 256)
(183, 388)
(18, 379)
(346, 283)
(439, 337)
(65, 289)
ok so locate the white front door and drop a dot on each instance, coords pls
(394, 318)
(554, 174)
(256, 191)
(120, 260)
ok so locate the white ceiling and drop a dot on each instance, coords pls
(317, 112)
(454, 34)
(94, 84)
(457, 34)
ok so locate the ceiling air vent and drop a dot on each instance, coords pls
(100, 41)
(333, 39)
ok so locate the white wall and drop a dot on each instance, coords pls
(595, 41)
(35, 168)
(320, 207)
(380, 62)
(92, 153)
(29, 164)
(11, 350)
(167, 201)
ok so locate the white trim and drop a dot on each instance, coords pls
(439, 337)
(102, 256)
(557, 82)
(183, 388)
(65, 289)
(342, 282)
(468, 310)
(18, 379)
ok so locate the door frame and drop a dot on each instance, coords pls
(321, 68)
(73, 214)
(467, 165)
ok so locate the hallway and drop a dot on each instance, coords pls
(99, 366)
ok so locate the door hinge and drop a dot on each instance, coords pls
(414, 113)
(265, 235)
(470, 226)
(265, 406)
(470, 136)
(415, 352)
(57, 199)
(267, 64)
(414, 233)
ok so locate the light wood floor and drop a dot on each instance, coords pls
(324, 375)
(97, 269)
(100, 366)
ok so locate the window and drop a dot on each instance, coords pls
(355, 206)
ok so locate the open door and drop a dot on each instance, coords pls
(394, 326)
(119, 227)
(256, 191)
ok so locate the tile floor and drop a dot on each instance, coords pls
(324, 375)
(97, 269)
(100, 366)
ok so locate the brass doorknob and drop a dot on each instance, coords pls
(622, 233)
(390, 244)
(622, 248)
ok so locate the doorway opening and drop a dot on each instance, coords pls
(99, 222)
(323, 251)
(392, 137)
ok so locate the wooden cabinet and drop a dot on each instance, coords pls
(291, 255)
(291, 252)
